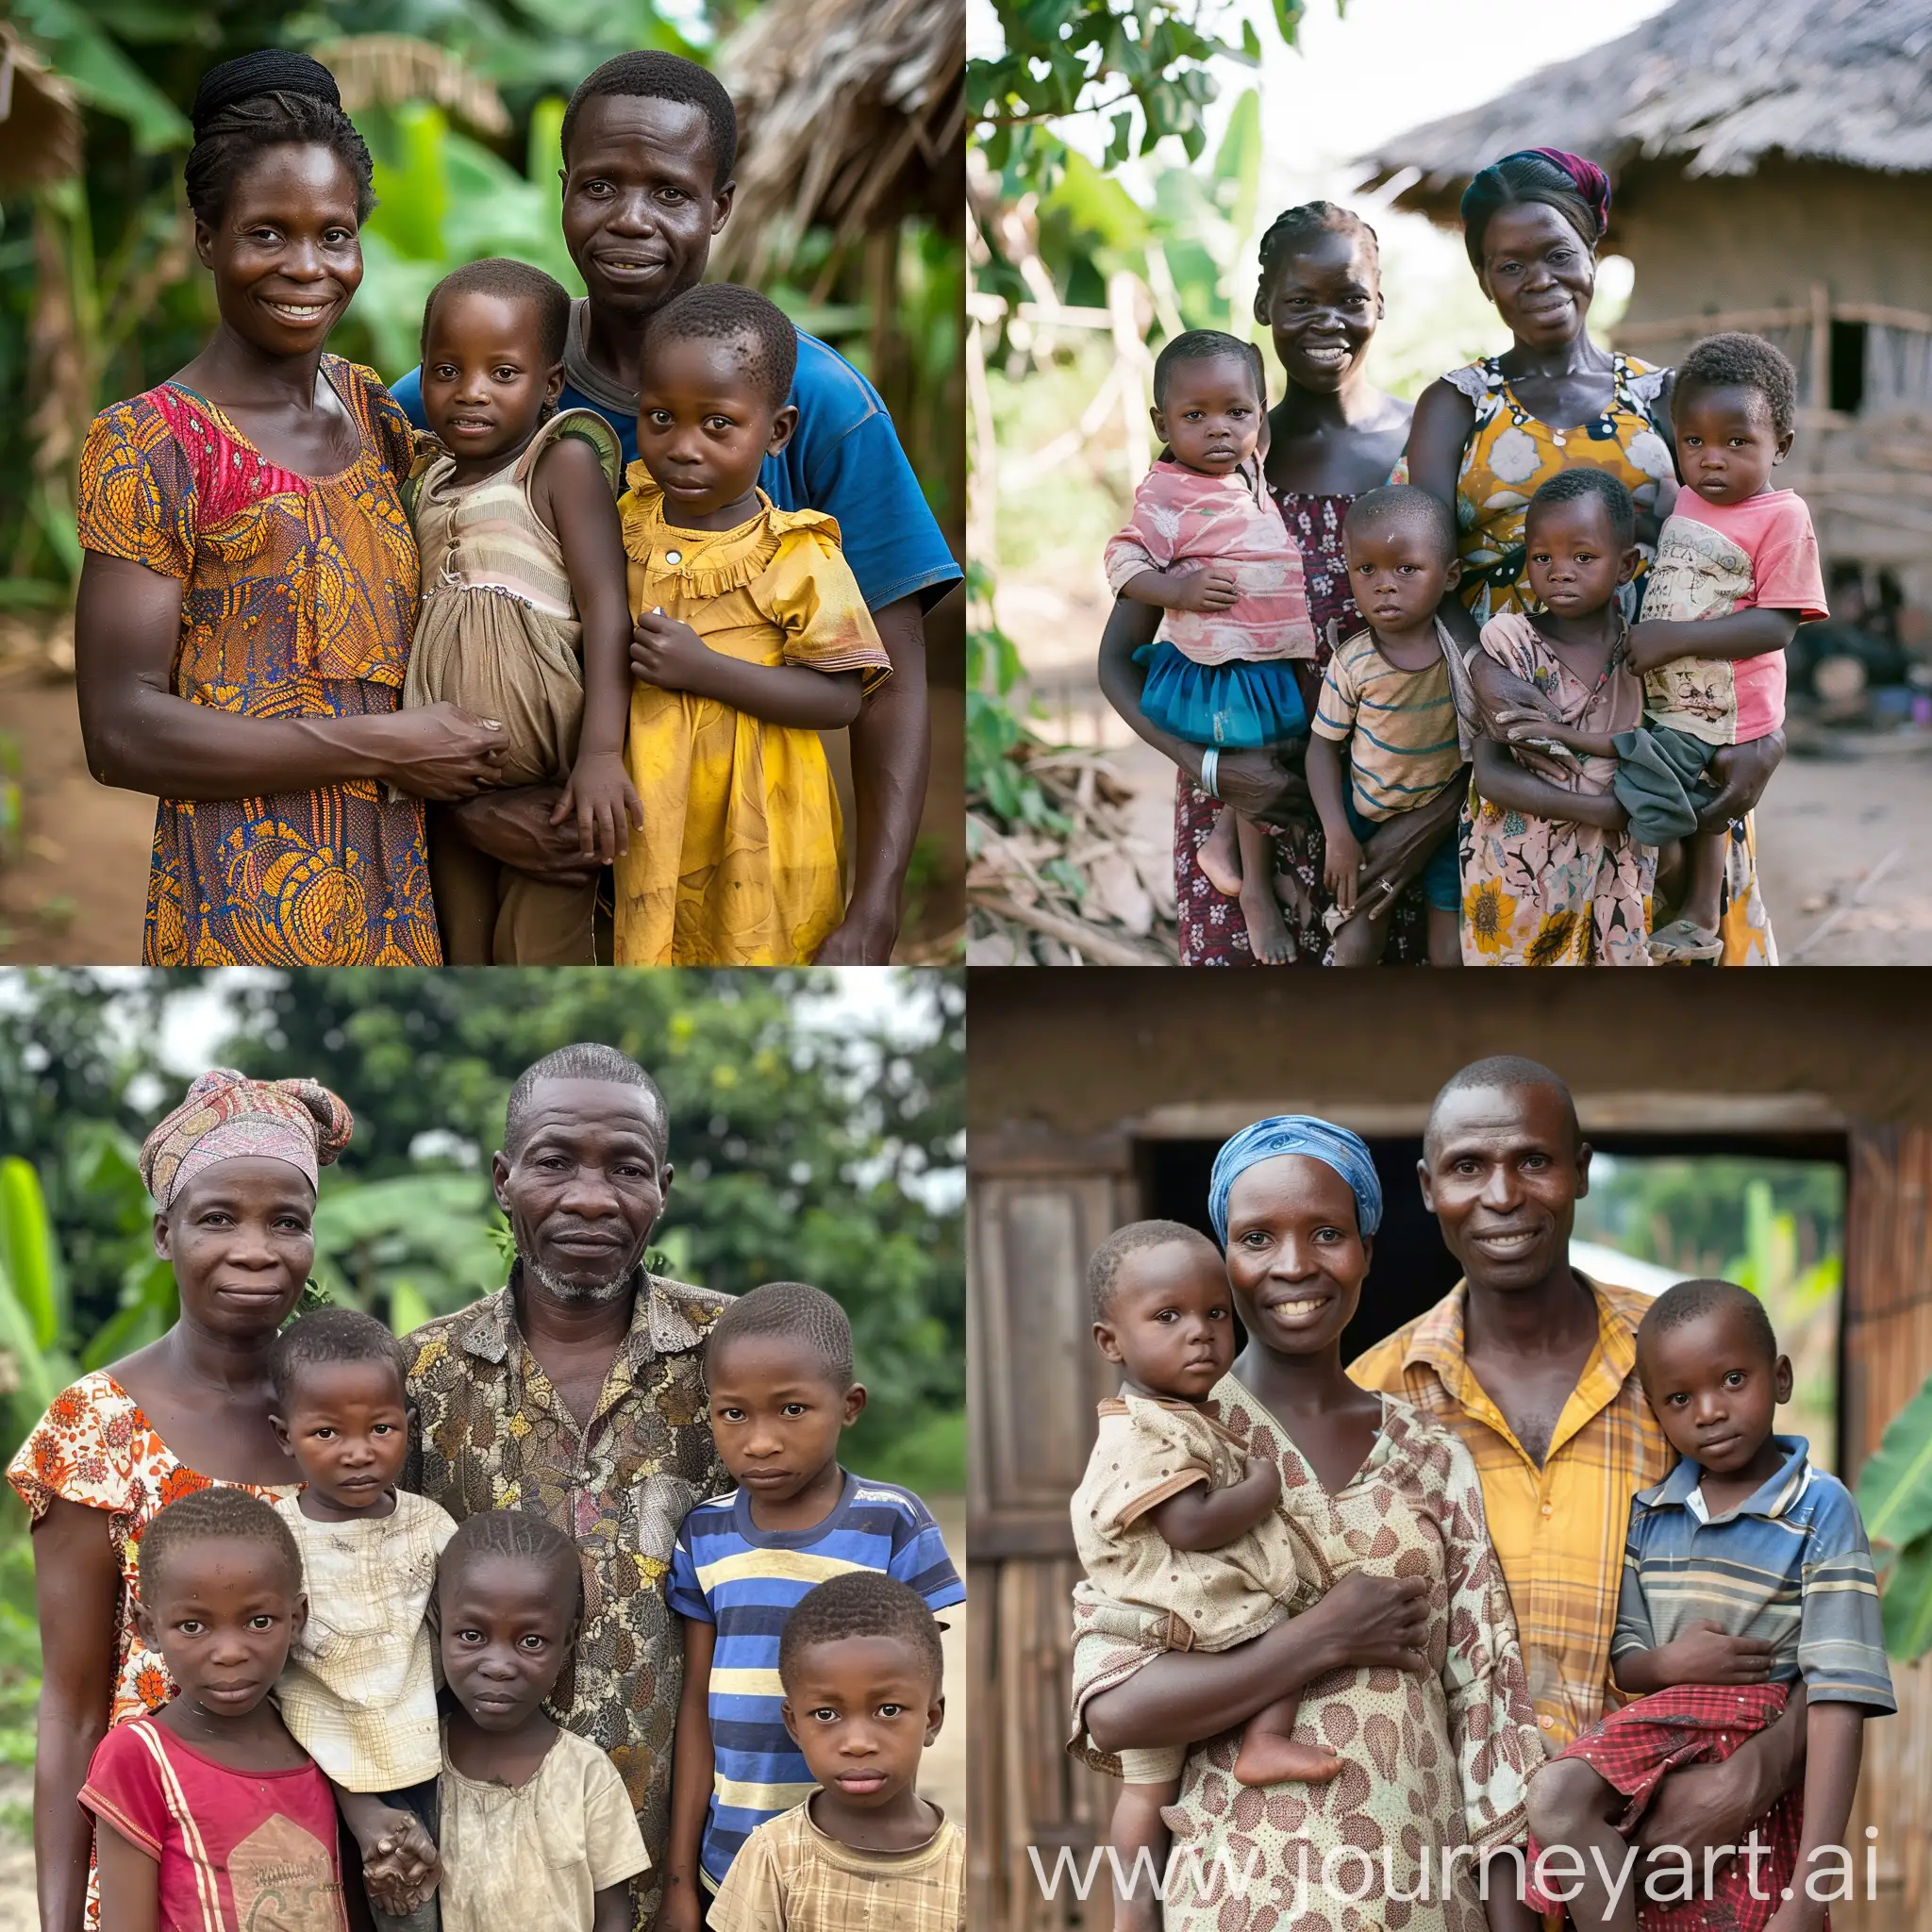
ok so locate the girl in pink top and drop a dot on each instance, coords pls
(1206, 543)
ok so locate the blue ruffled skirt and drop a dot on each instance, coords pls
(1241, 706)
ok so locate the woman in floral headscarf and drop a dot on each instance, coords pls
(1486, 435)
(232, 1172)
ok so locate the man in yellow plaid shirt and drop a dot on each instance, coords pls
(1534, 1368)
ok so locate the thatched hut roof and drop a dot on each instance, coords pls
(39, 119)
(386, 69)
(1713, 85)
(853, 114)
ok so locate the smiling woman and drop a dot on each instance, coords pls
(249, 584)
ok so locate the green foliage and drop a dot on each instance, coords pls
(996, 736)
(1895, 1499)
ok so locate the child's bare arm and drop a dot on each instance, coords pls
(692, 1766)
(1743, 634)
(672, 656)
(612, 1909)
(572, 495)
(1833, 1743)
(1705, 1654)
(1201, 1518)
(1502, 781)
(130, 1883)
(1197, 585)
(1341, 850)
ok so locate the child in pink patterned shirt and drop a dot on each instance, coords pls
(1206, 543)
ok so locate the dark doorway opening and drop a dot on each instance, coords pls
(1412, 1269)
(1847, 367)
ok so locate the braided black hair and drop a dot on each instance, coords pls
(524, 1538)
(861, 1603)
(656, 77)
(1532, 176)
(794, 1311)
(271, 98)
(1293, 228)
(213, 1515)
(722, 311)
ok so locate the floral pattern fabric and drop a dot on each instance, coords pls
(492, 1433)
(1543, 891)
(95, 1446)
(1432, 1759)
(299, 598)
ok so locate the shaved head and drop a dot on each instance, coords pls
(1499, 1073)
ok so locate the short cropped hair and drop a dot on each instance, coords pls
(652, 75)
(584, 1060)
(1691, 1301)
(213, 1515)
(513, 281)
(794, 1311)
(1501, 1071)
(861, 1603)
(723, 311)
(1574, 486)
(1403, 503)
(1736, 360)
(1207, 345)
(522, 1536)
(1103, 1269)
(331, 1335)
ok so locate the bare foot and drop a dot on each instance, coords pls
(1268, 938)
(1220, 858)
(1271, 1760)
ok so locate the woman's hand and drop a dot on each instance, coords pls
(441, 752)
(1406, 843)
(1379, 1623)
(1499, 692)
(605, 804)
(668, 654)
(1260, 787)
(1742, 771)
(519, 828)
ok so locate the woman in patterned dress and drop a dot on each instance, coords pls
(233, 1174)
(1409, 1667)
(1486, 435)
(1332, 436)
(249, 588)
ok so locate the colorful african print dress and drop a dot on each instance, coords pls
(299, 599)
(95, 1448)
(1509, 456)
(1432, 1760)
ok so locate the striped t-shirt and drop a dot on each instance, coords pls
(1399, 725)
(744, 1580)
(1788, 1564)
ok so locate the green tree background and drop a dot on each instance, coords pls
(813, 1139)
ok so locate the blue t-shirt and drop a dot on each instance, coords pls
(727, 1572)
(844, 458)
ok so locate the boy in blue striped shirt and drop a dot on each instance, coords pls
(1747, 1582)
(778, 1363)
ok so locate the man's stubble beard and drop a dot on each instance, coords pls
(592, 1291)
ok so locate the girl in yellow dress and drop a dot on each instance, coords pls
(751, 638)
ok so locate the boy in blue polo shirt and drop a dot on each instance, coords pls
(1747, 1580)
(778, 1363)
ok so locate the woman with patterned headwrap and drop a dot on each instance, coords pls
(249, 586)
(1486, 435)
(1408, 1666)
(233, 1173)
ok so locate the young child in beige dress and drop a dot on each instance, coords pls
(1174, 1518)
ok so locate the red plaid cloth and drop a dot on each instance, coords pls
(1633, 1748)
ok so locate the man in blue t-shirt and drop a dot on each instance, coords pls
(649, 142)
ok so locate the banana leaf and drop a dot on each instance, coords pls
(1895, 1485)
(27, 1250)
(1906, 1603)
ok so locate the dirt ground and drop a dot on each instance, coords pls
(943, 1779)
(1844, 842)
(73, 894)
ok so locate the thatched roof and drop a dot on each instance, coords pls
(386, 69)
(853, 114)
(39, 119)
(1716, 85)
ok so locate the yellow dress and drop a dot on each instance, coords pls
(741, 860)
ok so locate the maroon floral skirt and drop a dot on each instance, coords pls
(1633, 1749)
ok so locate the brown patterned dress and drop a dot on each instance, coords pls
(494, 1434)
(1432, 1763)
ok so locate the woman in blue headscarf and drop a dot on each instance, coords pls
(1409, 1667)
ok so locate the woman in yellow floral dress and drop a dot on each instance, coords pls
(233, 1174)
(752, 637)
(1486, 435)
(249, 586)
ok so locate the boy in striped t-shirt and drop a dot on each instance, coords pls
(1387, 700)
(778, 1363)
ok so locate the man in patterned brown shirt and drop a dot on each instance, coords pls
(577, 1390)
